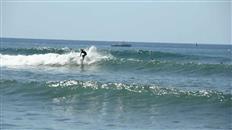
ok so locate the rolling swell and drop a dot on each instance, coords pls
(158, 55)
(67, 88)
(167, 66)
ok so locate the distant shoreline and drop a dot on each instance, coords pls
(100, 41)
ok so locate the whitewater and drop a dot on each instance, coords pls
(52, 59)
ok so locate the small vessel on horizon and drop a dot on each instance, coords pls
(122, 44)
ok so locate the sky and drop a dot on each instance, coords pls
(171, 21)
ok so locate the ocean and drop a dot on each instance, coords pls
(148, 86)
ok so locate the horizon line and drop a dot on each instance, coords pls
(127, 41)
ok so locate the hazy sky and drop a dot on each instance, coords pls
(203, 22)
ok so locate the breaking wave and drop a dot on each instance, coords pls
(52, 59)
(67, 88)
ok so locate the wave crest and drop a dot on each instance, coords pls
(152, 90)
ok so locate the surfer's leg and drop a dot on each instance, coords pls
(83, 57)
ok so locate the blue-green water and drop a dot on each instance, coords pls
(145, 87)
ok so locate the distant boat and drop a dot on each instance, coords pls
(121, 45)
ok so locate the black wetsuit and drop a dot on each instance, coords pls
(83, 54)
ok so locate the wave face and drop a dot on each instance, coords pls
(77, 101)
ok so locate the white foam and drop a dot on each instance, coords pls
(53, 59)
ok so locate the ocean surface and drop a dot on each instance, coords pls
(148, 86)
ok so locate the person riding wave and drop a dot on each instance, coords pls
(83, 54)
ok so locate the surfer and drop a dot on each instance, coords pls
(83, 54)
